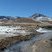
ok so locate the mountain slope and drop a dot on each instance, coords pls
(39, 17)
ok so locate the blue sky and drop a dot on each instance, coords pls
(25, 7)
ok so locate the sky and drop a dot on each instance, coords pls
(25, 8)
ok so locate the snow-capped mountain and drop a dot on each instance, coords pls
(35, 17)
(7, 18)
(40, 17)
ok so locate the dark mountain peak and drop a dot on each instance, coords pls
(38, 15)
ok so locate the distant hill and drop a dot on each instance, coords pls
(34, 18)
(7, 17)
(27, 20)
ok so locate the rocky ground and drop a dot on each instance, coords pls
(43, 46)
(27, 27)
(6, 41)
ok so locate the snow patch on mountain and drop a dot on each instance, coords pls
(41, 17)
